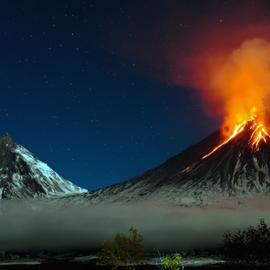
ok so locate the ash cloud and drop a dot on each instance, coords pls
(41, 226)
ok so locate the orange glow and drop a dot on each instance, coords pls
(241, 84)
(236, 87)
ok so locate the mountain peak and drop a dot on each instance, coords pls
(6, 140)
(22, 175)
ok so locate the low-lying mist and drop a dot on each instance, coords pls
(42, 226)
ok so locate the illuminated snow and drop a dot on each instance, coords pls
(51, 182)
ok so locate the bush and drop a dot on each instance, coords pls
(250, 246)
(125, 250)
(172, 262)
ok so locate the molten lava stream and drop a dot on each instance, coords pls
(238, 129)
(258, 135)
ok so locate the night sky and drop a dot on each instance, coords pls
(86, 85)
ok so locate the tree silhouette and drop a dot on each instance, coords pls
(249, 246)
(125, 250)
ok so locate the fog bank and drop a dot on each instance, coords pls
(42, 226)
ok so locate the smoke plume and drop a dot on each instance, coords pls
(236, 85)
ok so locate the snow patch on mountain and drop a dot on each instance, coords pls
(51, 182)
(23, 176)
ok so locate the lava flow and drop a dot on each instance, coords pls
(258, 135)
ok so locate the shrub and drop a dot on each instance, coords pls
(249, 246)
(172, 262)
(124, 250)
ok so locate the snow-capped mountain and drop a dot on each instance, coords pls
(22, 175)
(234, 170)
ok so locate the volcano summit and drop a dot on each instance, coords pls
(238, 167)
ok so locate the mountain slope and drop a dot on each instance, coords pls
(234, 170)
(22, 175)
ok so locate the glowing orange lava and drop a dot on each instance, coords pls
(238, 129)
(258, 135)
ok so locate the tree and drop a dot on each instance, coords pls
(124, 250)
(250, 246)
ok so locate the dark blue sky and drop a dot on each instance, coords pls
(75, 95)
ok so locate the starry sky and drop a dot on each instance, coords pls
(87, 87)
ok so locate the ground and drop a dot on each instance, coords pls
(84, 266)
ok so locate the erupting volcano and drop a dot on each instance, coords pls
(232, 162)
(235, 168)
